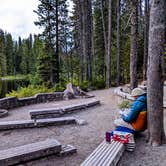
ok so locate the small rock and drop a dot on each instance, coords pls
(81, 122)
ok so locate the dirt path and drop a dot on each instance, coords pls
(85, 138)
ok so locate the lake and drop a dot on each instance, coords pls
(9, 85)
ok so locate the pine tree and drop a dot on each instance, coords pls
(118, 79)
(42, 64)
(51, 14)
(18, 57)
(3, 67)
(83, 26)
(108, 57)
(100, 40)
(9, 54)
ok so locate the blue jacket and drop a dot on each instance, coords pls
(140, 104)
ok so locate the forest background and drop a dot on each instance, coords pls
(92, 47)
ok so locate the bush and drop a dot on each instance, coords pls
(35, 79)
(124, 104)
(59, 87)
(31, 90)
(84, 85)
(98, 84)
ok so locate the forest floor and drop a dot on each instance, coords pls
(85, 138)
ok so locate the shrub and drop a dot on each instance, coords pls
(98, 84)
(59, 87)
(84, 85)
(124, 104)
(31, 90)
(35, 79)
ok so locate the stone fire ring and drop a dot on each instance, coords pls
(3, 113)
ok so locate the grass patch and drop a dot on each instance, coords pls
(31, 90)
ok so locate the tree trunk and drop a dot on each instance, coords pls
(157, 38)
(57, 46)
(108, 57)
(87, 38)
(146, 34)
(89, 41)
(81, 38)
(134, 45)
(104, 26)
(118, 43)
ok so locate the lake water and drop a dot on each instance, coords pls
(9, 85)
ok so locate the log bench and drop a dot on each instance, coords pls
(22, 124)
(109, 153)
(34, 151)
(3, 113)
(57, 112)
(106, 154)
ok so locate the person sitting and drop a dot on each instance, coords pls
(135, 118)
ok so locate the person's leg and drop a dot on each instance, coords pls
(121, 122)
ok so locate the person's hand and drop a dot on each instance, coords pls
(121, 112)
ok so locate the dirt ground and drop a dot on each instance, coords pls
(85, 138)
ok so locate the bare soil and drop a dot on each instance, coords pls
(85, 138)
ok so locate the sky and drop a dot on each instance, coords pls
(17, 17)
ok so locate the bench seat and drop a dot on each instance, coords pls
(106, 154)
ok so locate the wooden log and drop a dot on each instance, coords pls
(46, 111)
(45, 116)
(67, 150)
(55, 121)
(57, 112)
(28, 152)
(19, 124)
(92, 103)
(74, 107)
(22, 124)
(3, 113)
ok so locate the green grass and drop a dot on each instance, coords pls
(31, 90)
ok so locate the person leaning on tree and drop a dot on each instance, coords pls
(136, 117)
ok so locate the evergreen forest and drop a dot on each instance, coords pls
(97, 44)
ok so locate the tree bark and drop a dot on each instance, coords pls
(134, 45)
(118, 43)
(57, 45)
(104, 26)
(146, 34)
(108, 57)
(89, 41)
(87, 37)
(81, 52)
(157, 38)
(79, 10)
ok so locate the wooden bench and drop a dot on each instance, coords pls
(22, 124)
(33, 151)
(109, 153)
(106, 154)
(57, 112)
